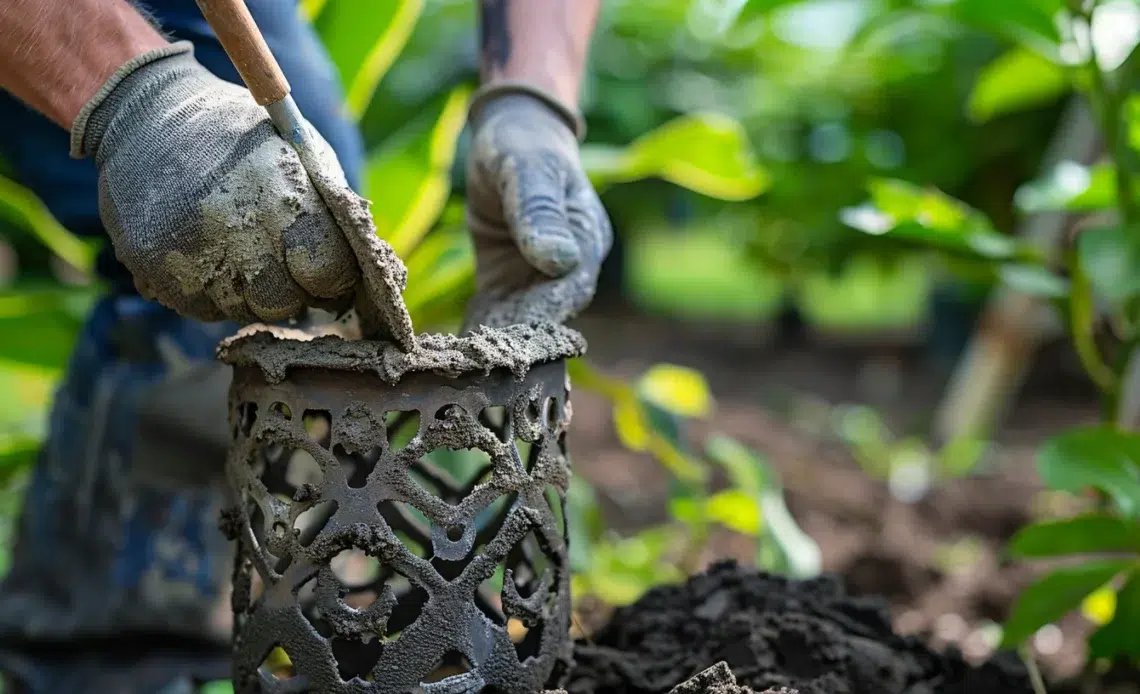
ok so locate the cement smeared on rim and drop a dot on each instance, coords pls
(275, 350)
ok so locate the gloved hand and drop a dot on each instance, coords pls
(206, 205)
(539, 230)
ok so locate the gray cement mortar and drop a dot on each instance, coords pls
(277, 350)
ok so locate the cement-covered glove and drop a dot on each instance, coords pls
(539, 230)
(206, 205)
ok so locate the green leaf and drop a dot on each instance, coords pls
(632, 422)
(440, 269)
(28, 390)
(783, 547)
(23, 208)
(409, 179)
(309, 9)
(884, 30)
(1028, 22)
(42, 339)
(16, 448)
(583, 520)
(17, 456)
(630, 425)
(680, 390)
(705, 152)
(664, 422)
(755, 9)
(617, 588)
(792, 551)
(1070, 186)
(1100, 605)
(437, 248)
(1097, 457)
(688, 472)
(1082, 324)
(928, 218)
(686, 510)
(278, 660)
(1132, 118)
(927, 206)
(1055, 595)
(217, 687)
(1121, 636)
(745, 471)
(1110, 257)
(587, 375)
(27, 299)
(736, 511)
(1100, 194)
(1033, 280)
(622, 569)
(364, 38)
(960, 455)
(1018, 80)
(1080, 535)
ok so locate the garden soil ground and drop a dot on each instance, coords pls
(937, 562)
(809, 636)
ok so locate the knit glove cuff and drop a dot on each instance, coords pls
(489, 92)
(88, 127)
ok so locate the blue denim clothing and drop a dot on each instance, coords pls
(101, 556)
(98, 553)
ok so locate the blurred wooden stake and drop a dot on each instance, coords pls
(993, 366)
(995, 363)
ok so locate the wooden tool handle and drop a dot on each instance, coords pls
(239, 35)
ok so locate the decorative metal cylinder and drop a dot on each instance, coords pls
(400, 518)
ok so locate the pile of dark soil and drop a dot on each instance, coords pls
(810, 637)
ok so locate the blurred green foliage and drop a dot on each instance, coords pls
(651, 415)
(1087, 48)
(1106, 541)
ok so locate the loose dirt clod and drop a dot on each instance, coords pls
(719, 679)
(772, 632)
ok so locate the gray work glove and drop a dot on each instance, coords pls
(206, 205)
(539, 230)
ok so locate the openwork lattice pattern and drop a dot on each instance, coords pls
(400, 538)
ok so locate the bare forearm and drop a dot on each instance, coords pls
(55, 54)
(541, 42)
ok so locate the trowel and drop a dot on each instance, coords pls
(379, 303)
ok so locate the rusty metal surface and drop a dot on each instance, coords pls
(327, 480)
